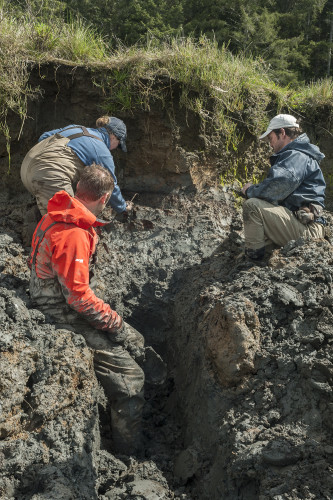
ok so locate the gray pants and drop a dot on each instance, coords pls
(122, 380)
(265, 224)
(120, 376)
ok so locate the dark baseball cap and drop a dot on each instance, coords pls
(118, 128)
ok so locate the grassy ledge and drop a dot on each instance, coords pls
(233, 96)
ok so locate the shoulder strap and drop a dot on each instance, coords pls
(40, 234)
(81, 134)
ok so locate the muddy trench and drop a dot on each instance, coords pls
(140, 265)
(246, 409)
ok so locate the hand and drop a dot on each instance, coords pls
(115, 323)
(129, 206)
(118, 336)
(245, 187)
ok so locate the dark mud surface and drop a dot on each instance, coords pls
(246, 410)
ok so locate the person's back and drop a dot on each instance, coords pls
(56, 162)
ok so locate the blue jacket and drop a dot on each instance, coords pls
(91, 150)
(295, 178)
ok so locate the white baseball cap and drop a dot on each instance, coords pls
(280, 121)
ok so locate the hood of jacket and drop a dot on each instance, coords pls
(303, 144)
(64, 208)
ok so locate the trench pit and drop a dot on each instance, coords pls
(142, 258)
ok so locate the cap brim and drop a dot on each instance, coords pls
(122, 145)
(268, 131)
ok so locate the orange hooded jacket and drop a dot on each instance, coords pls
(64, 251)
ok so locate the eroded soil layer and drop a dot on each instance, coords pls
(246, 410)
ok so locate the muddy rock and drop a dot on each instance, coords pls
(232, 333)
(263, 434)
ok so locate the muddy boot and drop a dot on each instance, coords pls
(126, 426)
(252, 254)
(30, 221)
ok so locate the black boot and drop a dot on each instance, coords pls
(258, 254)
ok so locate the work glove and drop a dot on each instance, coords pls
(118, 336)
(115, 323)
(129, 337)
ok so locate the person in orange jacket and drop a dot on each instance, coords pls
(62, 248)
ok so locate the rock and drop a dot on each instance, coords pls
(288, 295)
(232, 333)
(147, 489)
(187, 464)
(17, 310)
(280, 454)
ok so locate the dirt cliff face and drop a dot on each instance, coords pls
(246, 409)
(268, 433)
(167, 145)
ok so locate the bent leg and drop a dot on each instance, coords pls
(120, 376)
(123, 381)
(264, 223)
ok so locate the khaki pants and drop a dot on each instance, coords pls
(48, 167)
(265, 224)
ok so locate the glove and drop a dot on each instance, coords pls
(118, 336)
(129, 206)
(115, 322)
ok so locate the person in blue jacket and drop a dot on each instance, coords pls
(289, 202)
(55, 163)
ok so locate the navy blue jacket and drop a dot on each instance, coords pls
(295, 178)
(91, 150)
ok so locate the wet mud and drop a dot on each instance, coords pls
(246, 409)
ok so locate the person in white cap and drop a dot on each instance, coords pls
(289, 202)
(56, 162)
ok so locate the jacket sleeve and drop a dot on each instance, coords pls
(282, 180)
(104, 157)
(70, 261)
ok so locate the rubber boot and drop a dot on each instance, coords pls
(126, 426)
(258, 254)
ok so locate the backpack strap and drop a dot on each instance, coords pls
(84, 133)
(40, 234)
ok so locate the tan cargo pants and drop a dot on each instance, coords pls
(265, 224)
(48, 167)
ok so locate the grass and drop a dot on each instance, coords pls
(234, 97)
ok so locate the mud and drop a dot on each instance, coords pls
(246, 409)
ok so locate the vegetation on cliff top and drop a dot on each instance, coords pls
(292, 37)
(231, 94)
